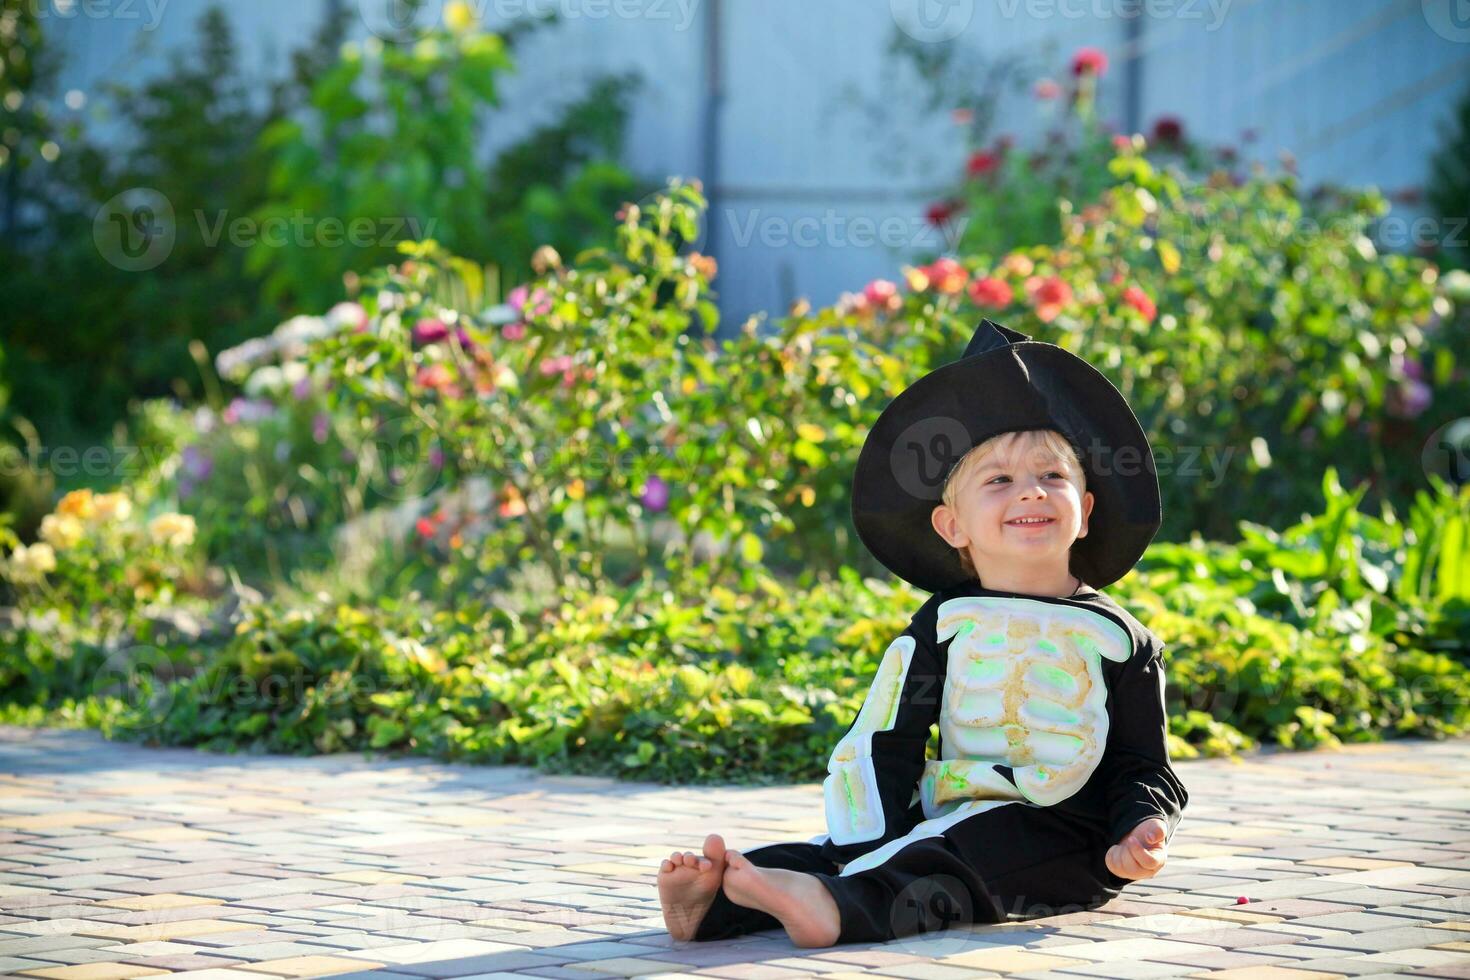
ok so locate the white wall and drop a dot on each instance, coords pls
(1354, 87)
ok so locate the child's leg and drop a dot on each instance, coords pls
(980, 864)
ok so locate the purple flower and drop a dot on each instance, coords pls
(465, 340)
(1413, 369)
(436, 457)
(1410, 399)
(655, 495)
(197, 465)
(248, 410)
(320, 426)
(301, 390)
(430, 330)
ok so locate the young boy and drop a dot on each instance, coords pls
(1052, 787)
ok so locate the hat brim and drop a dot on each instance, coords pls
(900, 471)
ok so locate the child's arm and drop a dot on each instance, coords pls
(1142, 783)
(875, 769)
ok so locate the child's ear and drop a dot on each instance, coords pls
(1087, 501)
(946, 523)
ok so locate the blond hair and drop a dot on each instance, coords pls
(1051, 441)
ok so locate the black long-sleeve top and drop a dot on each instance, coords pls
(1055, 702)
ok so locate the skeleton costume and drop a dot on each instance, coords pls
(1052, 728)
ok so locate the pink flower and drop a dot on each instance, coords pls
(1050, 294)
(301, 390)
(1140, 301)
(655, 495)
(430, 330)
(1046, 90)
(1122, 143)
(946, 275)
(464, 338)
(425, 527)
(513, 331)
(962, 117)
(520, 297)
(555, 365)
(321, 425)
(991, 292)
(1089, 61)
(438, 378)
(348, 314)
(882, 294)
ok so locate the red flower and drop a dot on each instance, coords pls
(425, 527)
(946, 275)
(1089, 61)
(1141, 302)
(1122, 143)
(1049, 294)
(941, 212)
(1168, 130)
(982, 162)
(991, 292)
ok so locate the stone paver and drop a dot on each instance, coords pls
(119, 861)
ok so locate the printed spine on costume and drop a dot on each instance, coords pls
(1024, 689)
(853, 801)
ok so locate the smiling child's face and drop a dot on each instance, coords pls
(988, 498)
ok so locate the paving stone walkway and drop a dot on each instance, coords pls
(118, 861)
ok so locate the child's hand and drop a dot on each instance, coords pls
(1140, 854)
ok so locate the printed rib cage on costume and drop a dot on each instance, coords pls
(1023, 689)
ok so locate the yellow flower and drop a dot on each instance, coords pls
(61, 531)
(460, 17)
(174, 530)
(30, 564)
(78, 503)
(111, 507)
(577, 489)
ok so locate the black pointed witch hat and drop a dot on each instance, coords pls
(1004, 382)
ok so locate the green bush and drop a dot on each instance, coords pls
(713, 684)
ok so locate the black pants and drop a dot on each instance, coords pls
(1012, 861)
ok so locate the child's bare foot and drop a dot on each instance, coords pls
(802, 903)
(687, 883)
